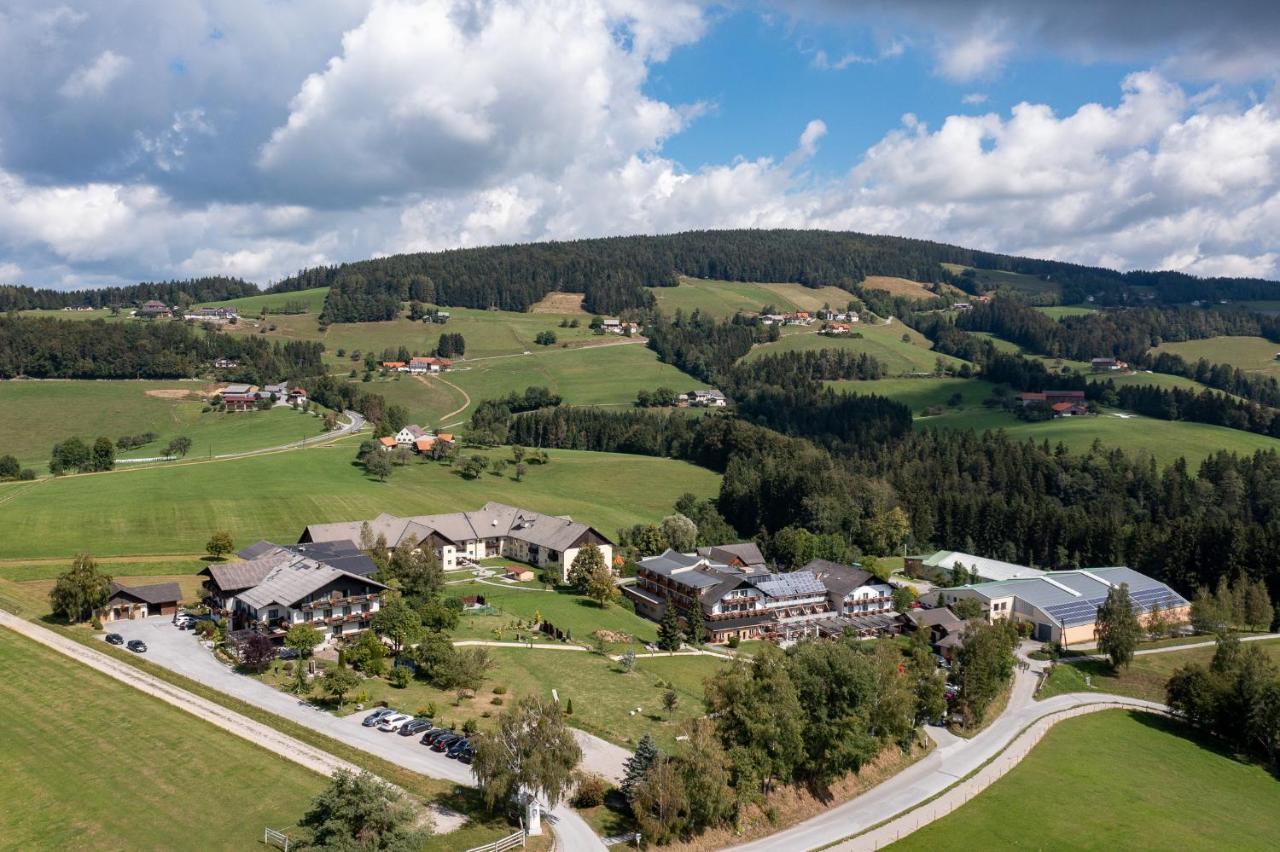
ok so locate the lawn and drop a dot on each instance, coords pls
(885, 342)
(604, 696)
(92, 763)
(563, 608)
(595, 375)
(723, 299)
(173, 508)
(1116, 780)
(1145, 678)
(1252, 354)
(89, 409)
(1060, 311)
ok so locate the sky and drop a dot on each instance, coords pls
(162, 139)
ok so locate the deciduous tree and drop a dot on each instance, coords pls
(361, 812)
(1118, 627)
(303, 638)
(78, 592)
(337, 682)
(530, 748)
(220, 544)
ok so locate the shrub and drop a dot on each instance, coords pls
(496, 701)
(590, 791)
(96, 623)
(568, 707)
(486, 714)
(399, 677)
(27, 474)
(469, 727)
(431, 710)
(499, 690)
(734, 641)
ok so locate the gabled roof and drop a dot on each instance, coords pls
(840, 580)
(1073, 597)
(748, 553)
(290, 583)
(415, 431)
(786, 585)
(234, 576)
(156, 593)
(940, 617)
(988, 569)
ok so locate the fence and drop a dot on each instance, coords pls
(962, 792)
(510, 842)
(271, 837)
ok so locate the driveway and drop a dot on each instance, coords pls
(180, 651)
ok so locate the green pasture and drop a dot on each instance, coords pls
(723, 299)
(884, 342)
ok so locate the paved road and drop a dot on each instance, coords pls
(925, 779)
(181, 652)
(1169, 648)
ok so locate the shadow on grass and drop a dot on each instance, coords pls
(1206, 742)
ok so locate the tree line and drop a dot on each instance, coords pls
(52, 348)
(189, 292)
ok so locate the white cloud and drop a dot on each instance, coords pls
(980, 54)
(974, 98)
(9, 272)
(93, 79)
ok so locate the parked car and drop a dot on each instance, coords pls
(376, 716)
(439, 733)
(426, 738)
(417, 726)
(458, 748)
(468, 754)
(287, 654)
(115, 639)
(137, 646)
(393, 722)
(442, 744)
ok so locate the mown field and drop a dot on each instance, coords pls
(597, 375)
(1013, 280)
(173, 508)
(908, 288)
(34, 415)
(882, 341)
(249, 306)
(1060, 311)
(1116, 780)
(486, 332)
(925, 392)
(726, 298)
(90, 763)
(1145, 678)
(1254, 354)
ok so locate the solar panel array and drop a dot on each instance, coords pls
(788, 585)
(1085, 610)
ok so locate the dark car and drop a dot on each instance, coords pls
(430, 735)
(115, 639)
(376, 716)
(468, 754)
(458, 748)
(137, 646)
(443, 743)
(417, 726)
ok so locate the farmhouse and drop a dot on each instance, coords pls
(1068, 409)
(126, 602)
(217, 315)
(154, 308)
(398, 366)
(283, 586)
(936, 565)
(1107, 364)
(1050, 397)
(225, 363)
(834, 329)
(429, 365)
(496, 529)
(702, 399)
(410, 434)
(1062, 606)
(750, 602)
(240, 397)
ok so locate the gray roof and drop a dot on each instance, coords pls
(988, 569)
(1073, 597)
(492, 520)
(940, 617)
(291, 582)
(840, 580)
(671, 561)
(346, 555)
(748, 553)
(236, 389)
(786, 585)
(234, 576)
(155, 593)
(416, 431)
(257, 549)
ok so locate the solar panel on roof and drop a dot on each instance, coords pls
(1085, 611)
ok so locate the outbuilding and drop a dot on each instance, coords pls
(127, 602)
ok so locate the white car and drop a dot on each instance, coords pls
(394, 722)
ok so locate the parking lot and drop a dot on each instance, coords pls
(180, 651)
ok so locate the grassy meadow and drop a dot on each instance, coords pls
(908, 288)
(882, 341)
(173, 508)
(1013, 280)
(597, 375)
(34, 415)
(249, 306)
(1116, 780)
(92, 763)
(723, 299)
(1145, 678)
(1252, 354)
(1060, 311)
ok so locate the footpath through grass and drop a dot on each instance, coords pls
(1117, 780)
(92, 763)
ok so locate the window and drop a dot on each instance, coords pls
(273, 614)
(364, 607)
(328, 613)
(346, 610)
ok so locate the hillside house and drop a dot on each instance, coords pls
(128, 602)
(1062, 606)
(240, 397)
(1102, 365)
(702, 399)
(153, 309)
(388, 443)
(225, 363)
(835, 329)
(495, 529)
(1050, 397)
(410, 435)
(396, 366)
(798, 318)
(1068, 409)
(214, 315)
(429, 364)
(278, 392)
(297, 395)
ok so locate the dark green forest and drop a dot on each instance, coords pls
(214, 289)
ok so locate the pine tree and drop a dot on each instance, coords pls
(669, 633)
(1118, 627)
(695, 629)
(638, 764)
